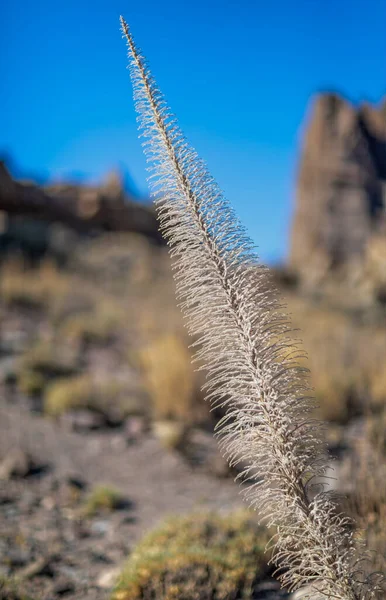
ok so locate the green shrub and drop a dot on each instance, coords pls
(198, 557)
(68, 394)
(102, 499)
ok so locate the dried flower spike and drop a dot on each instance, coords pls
(251, 361)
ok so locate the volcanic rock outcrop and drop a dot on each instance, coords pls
(339, 224)
(80, 208)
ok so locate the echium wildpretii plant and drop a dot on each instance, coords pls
(251, 361)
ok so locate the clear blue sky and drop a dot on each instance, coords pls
(238, 73)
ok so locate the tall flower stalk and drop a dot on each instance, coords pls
(243, 341)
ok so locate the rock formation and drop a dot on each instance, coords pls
(340, 214)
(82, 208)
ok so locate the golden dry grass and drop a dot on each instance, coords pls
(346, 359)
(169, 377)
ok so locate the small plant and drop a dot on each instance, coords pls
(103, 499)
(68, 394)
(197, 556)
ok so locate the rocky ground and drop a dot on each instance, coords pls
(47, 473)
(50, 540)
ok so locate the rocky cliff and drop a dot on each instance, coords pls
(339, 223)
(28, 210)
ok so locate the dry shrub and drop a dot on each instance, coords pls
(169, 377)
(346, 359)
(108, 397)
(197, 557)
(68, 394)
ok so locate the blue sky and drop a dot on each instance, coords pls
(239, 75)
